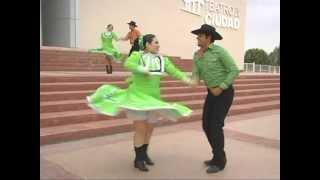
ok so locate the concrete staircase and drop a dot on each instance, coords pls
(69, 59)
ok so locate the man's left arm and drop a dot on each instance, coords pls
(126, 38)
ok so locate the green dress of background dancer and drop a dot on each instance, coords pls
(108, 47)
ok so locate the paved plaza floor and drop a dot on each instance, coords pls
(252, 147)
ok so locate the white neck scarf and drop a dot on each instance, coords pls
(154, 62)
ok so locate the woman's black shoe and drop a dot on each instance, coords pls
(149, 162)
(140, 165)
(139, 160)
(146, 157)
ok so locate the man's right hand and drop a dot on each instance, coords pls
(193, 83)
(216, 91)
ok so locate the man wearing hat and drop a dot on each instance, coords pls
(214, 65)
(133, 34)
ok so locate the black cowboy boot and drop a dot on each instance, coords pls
(207, 162)
(219, 160)
(217, 164)
(147, 158)
(109, 69)
(139, 160)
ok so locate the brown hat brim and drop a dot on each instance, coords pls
(133, 24)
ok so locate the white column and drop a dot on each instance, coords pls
(74, 23)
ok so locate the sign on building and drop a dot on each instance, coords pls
(214, 13)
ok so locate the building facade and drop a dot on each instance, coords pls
(78, 23)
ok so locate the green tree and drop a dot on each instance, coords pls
(274, 56)
(258, 56)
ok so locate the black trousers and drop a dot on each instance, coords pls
(134, 47)
(215, 111)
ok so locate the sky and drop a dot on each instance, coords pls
(262, 24)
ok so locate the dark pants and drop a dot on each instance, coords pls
(215, 111)
(134, 47)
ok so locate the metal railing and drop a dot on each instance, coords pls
(252, 67)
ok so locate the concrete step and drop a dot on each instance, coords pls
(73, 105)
(92, 66)
(101, 77)
(167, 80)
(86, 115)
(96, 61)
(50, 135)
(73, 68)
(70, 63)
(83, 63)
(72, 86)
(172, 90)
(80, 65)
(76, 95)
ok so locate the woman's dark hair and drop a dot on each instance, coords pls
(146, 38)
(109, 25)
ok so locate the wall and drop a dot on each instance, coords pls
(163, 18)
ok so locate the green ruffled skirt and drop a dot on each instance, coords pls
(111, 100)
(114, 54)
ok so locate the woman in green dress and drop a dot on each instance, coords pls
(111, 53)
(141, 100)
